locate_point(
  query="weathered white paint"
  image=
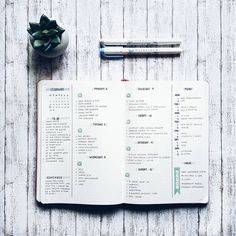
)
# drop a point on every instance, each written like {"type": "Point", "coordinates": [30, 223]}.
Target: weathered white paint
{"type": "Point", "coordinates": [209, 61]}
{"type": "Point", "coordinates": [88, 35]}
{"type": "Point", "coordinates": [207, 29]}
{"type": "Point", "coordinates": [2, 118]}
{"type": "Point", "coordinates": [16, 122]}
{"type": "Point", "coordinates": [228, 90]}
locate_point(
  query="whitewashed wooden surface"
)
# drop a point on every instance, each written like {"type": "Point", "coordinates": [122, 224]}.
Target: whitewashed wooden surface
{"type": "Point", "coordinates": [208, 31]}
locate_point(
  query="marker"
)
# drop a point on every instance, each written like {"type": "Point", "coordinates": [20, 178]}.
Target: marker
{"type": "Point", "coordinates": [120, 52]}
{"type": "Point", "coordinates": [142, 42]}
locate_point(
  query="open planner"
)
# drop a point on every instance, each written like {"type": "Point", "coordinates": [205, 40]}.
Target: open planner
{"type": "Point", "coordinates": [107, 142]}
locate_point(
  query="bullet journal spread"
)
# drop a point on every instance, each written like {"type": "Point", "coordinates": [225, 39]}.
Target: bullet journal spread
{"type": "Point", "coordinates": [106, 142]}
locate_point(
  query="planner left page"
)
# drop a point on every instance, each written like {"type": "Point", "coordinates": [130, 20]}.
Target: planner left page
{"type": "Point", "coordinates": [80, 142]}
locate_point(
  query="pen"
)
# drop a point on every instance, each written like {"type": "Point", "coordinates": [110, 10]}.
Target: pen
{"type": "Point", "coordinates": [142, 42]}
{"type": "Point", "coordinates": [120, 52]}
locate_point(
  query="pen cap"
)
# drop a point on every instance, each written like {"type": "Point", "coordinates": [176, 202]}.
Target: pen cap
{"type": "Point", "coordinates": [105, 56]}
{"type": "Point", "coordinates": [101, 51]}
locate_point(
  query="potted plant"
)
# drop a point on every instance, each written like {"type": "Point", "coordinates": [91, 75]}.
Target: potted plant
{"type": "Point", "coordinates": [48, 38]}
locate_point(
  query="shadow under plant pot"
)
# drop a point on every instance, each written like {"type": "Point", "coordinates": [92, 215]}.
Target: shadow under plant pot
{"type": "Point", "coordinates": [48, 38]}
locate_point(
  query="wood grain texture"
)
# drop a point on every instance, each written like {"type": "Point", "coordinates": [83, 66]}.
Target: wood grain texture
{"type": "Point", "coordinates": [207, 29]}
{"type": "Point", "coordinates": [228, 118]}
{"type": "Point", "coordinates": [88, 35]}
{"type": "Point", "coordinates": [209, 69]}
{"type": "Point", "coordinates": [2, 118]}
{"type": "Point", "coordinates": [16, 139]}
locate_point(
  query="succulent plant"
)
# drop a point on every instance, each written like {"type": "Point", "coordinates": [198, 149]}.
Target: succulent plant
{"type": "Point", "coordinates": [46, 34]}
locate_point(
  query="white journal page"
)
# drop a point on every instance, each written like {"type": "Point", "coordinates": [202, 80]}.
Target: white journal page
{"type": "Point", "coordinates": [98, 133]}
{"type": "Point", "coordinates": [166, 142]}
{"type": "Point", "coordinates": [54, 142]}
{"type": "Point", "coordinates": [81, 142]}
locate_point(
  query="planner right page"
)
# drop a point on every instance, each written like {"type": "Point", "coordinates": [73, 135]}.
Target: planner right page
{"type": "Point", "coordinates": [166, 142]}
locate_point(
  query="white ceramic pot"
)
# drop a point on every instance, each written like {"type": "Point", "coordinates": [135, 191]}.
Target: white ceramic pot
{"type": "Point", "coordinates": [58, 50]}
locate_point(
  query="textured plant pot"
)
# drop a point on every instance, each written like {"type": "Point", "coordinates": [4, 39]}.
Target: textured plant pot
{"type": "Point", "coordinates": [58, 50]}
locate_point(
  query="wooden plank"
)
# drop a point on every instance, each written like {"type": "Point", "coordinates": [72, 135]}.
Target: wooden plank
{"type": "Point", "coordinates": [63, 221]}
{"type": "Point", "coordinates": [228, 117]}
{"type": "Point", "coordinates": [160, 220]}
{"type": "Point", "coordinates": [209, 59]}
{"type": "Point", "coordinates": [112, 222]}
{"type": "Point", "coordinates": [2, 117]}
{"type": "Point", "coordinates": [88, 223]}
{"type": "Point", "coordinates": [112, 27]}
{"type": "Point", "coordinates": [185, 68]}
{"type": "Point", "coordinates": [39, 68]}
{"type": "Point", "coordinates": [88, 35]}
{"type": "Point", "coordinates": [16, 151]}
{"type": "Point", "coordinates": [64, 67]}
{"type": "Point", "coordinates": [159, 26]}
{"type": "Point", "coordinates": [135, 26]}
{"type": "Point", "coordinates": [88, 68]}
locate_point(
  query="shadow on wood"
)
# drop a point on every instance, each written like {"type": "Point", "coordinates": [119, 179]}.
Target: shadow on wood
{"type": "Point", "coordinates": [47, 65]}
{"type": "Point", "coordinates": [98, 209]}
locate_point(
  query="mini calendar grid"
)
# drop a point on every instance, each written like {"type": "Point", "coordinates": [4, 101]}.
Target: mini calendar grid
{"type": "Point", "coordinates": [58, 102]}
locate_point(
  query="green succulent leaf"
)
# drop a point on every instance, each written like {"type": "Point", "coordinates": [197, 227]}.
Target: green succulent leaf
{"type": "Point", "coordinates": [60, 30]}
{"type": "Point", "coordinates": [46, 43]}
{"type": "Point", "coordinates": [52, 24]}
{"type": "Point", "coordinates": [45, 31]}
{"type": "Point", "coordinates": [52, 32]}
{"type": "Point", "coordinates": [46, 34]}
{"type": "Point", "coordinates": [44, 20]}
{"type": "Point", "coordinates": [48, 48]}
{"type": "Point", "coordinates": [38, 35]}
{"type": "Point", "coordinates": [38, 43]}
{"type": "Point", "coordinates": [34, 26]}
{"type": "Point", "coordinates": [56, 40]}
{"type": "Point", "coordinates": [30, 31]}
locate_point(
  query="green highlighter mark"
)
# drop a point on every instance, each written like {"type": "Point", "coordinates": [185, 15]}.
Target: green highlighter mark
{"type": "Point", "coordinates": [176, 180]}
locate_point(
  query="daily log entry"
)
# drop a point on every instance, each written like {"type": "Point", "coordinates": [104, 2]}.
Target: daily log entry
{"type": "Point", "coordinates": [106, 142]}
